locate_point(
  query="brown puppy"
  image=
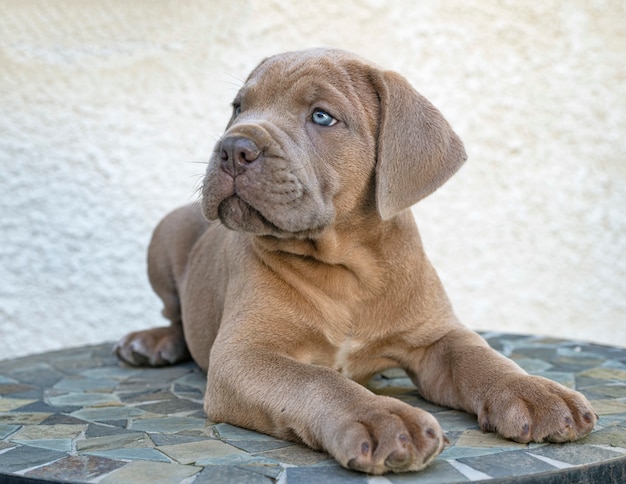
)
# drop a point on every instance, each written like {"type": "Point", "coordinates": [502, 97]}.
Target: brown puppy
{"type": "Point", "coordinates": [322, 281]}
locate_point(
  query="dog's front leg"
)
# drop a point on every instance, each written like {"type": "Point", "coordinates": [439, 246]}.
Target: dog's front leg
{"type": "Point", "coordinates": [275, 394]}
{"type": "Point", "coordinates": [462, 371]}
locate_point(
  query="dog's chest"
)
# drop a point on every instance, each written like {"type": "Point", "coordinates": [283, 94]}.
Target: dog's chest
{"type": "Point", "coordinates": [345, 356]}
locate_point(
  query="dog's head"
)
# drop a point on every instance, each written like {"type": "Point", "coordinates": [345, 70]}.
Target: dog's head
{"type": "Point", "coordinates": [319, 136]}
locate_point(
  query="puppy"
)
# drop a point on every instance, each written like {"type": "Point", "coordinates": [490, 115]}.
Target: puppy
{"type": "Point", "coordinates": [302, 275]}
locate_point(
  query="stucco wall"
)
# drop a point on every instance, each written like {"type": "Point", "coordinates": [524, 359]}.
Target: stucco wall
{"type": "Point", "coordinates": [108, 111]}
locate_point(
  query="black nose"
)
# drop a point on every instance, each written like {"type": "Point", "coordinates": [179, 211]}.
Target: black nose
{"type": "Point", "coordinates": [237, 153]}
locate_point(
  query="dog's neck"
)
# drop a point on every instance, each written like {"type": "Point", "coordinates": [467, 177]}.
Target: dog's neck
{"type": "Point", "coordinates": [361, 252]}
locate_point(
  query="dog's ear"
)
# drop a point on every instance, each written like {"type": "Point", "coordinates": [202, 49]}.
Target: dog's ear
{"type": "Point", "coordinates": [417, 149]}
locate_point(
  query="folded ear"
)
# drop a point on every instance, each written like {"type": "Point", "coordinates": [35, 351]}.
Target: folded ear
{"type": "Point", "coordinates": [417, 149]}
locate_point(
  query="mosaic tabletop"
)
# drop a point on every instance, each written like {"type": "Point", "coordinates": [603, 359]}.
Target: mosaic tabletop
{"type": "Point", "coordinates": [79, 415]}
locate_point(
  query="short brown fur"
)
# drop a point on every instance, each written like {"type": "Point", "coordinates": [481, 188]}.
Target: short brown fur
{"type": "Point", "coordinates": [322, 281]}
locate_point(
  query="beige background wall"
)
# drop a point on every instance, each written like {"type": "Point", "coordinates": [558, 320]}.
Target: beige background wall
{"type": "Point", "coordinates": [108, 111]}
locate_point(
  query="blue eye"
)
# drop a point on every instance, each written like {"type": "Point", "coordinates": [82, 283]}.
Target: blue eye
{"type": "Point", "coordinates": [236, 109]}
{"type": "Point", "coordinates": [322, 118]}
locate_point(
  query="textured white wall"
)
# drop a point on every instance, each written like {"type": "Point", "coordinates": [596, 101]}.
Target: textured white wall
{"type": "Point", "coordinates": [108, 111]}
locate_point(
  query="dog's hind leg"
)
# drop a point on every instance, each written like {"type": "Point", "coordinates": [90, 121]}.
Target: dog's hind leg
{"type": "Point", "coordinates": [169, 250]}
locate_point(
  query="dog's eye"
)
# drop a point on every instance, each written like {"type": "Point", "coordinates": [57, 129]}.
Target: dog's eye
{"type": "Point", "coordinates": [236, 110]}
{"type": "Point", "coordinates": [322, 118]}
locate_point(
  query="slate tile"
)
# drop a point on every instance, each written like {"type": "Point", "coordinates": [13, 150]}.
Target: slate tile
{"type": "Point", "coordinates": [39, 374]}
{"type": "Point", "coordinates": [168, 407]}
{"type": "Point", "coordinates": [478, 438]}
{"type": "Point", "coordinates": [62, 445]}
{"type": "Point", "coordinates": [168, 424]}
{"type": "Point", "coordinates": [232, 432]}
{"type": "Point", "coordinates": [147, 397]}
{"type": "Point", "coordinates": [327, 475]}
{"type": "Point", "coordinates": [191, 452]}
{"type": "Point", "coordinates": [614, 436]}
{"type": "Point", "coordinates": [25, 418]}
{"type": "Point", "coordinates": [9, 388]}
{"type": "Point", "coordinates": [25, 457]}
{"type": "Point", "coordinates": [439, 472]}
{"type": "Point", "coordinates": [507, 464]}
{"type": "Point", "coordinates": [99, 430]}
{"type": "Point", "coordinates": [34, 432]}
{"type": "Point", "coordinates": [9, 404]}
{"type": "Point", "coordinates": [255, 446]}
{"type": "Point", "coordinates": [230, 475]}
{"type": "Point", "coordinates": [575, 454]}
{"type": "Point", "coordinates": [59, 418]}
{"type": "Point", "coordinates": [456, 420]}
{"type": "Point", "coordinates": [108, 413]}
{"type": "Point", "coordinates": [139, 453]}
{"type": "Point", "coordinates": [152, 472]}
{"type": "Point", "coordinates": [6, 430]}
{"type": "Point", "coordinates": [127, 440]}
{"type": "Point", "coordinates": [296, 455]}
{"type": "Point", "coordinates": [84, 400]}
{"type": "Point", "coordinates": [37, 406]}
{"type": "Point", "coordinates": [608, 407]}
{"type": "Point", "coordinates": [173, 439]}
{"type": "Point", "coordinates": [74, 384]}
{"type": "Point", "coordinates": [77, 468]}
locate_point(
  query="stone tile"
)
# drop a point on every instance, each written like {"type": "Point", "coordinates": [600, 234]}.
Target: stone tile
{"type": "Point", "coordinates": [603, 392]}
{"type": "Point", "coordinates": [76, 468]}
{"type": "Point", "coordinates": [23, 418]}
{"type": "Point", "coordinates": [81, 384]}
{"type": "Point", "coordinates": [614, 436]}
{"type": "Point", "coordinates": [59, 418]}
{"type": "Point", "coordinates": [152, 472]}
{"type": "Point", "coordinates": [327, 475]}
{"type": "Point", "coordinates": [34, 432]}
{"type": "Point", "coordinates": [477, 438]}
{"type": "Point", "coordinates": [297, 455]}
{"type": "Point", "coordinates": [167, 403]}
{"type": "Point", "coordinates": [173, 439]}
{"type": "Point", "coordinates": [458, 452]}
{"type": "Point", "coordinates": [99, 430]}
{"type": "Point", "coordinates": [186, 391]}
{"type": "Point", "coordinates": [608, 407]}
{"type": "Point", "coordinates": [241, 459]}
{"type": "Point", "coordinates": [40, 406]}
{"type": "Point", "coordinates": [112, 442]}
{"type": "Point", "coordinates": [230, 475]}
{"type": "Point", "coordinates": [62, 445]}
{"type": "Point", "coordinates": [6, 430]}
{"type": "Point", "coordinates": [108, 413]}
{"type": "Point", "coordinates": [84, 400]}
{"type": "Point", "coordinates": [6, 445]}
{"type": "Point", "coordinates": [172, 406]}
{"type": "Point", "coordinates": [191, 452]}
{"type": "Point", "coordinates": [147, 397]}
{"type": "Point", "coordinates": [439, 472]}
{"type": "Point", "coordinates": [8, 404]}
{"type": "Point", "coordinates": [231, 432]}
{"type": "Point", "coordinates": [111, 373]}
{"type": "Point", "coordinates": [605, 374]}
{"type": "Point", "coordinates": [456, 420]}
{"type": "Point", "coordinates": [256, 446]}
{"type": "Point", "coordinates": [507, 464]}
{"type": "Point", "coordinates": [168, 424]}
{"type": "Point", "coordinates": [575, 454]}
{"type": "Point", "coordinates": [144, 453]}
{"type": "Point", "coordinates": [9, 388]}
{"type": "Point", "coordinates": [25, 457]}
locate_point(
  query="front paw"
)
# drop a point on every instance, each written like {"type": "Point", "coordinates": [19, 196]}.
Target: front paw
{"type": "Point", "coordinates": [153, 347]}
{"type": "Point", "coordinates": [387, 435]}
{"type": "Point", "coordinates": [527, 408]}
